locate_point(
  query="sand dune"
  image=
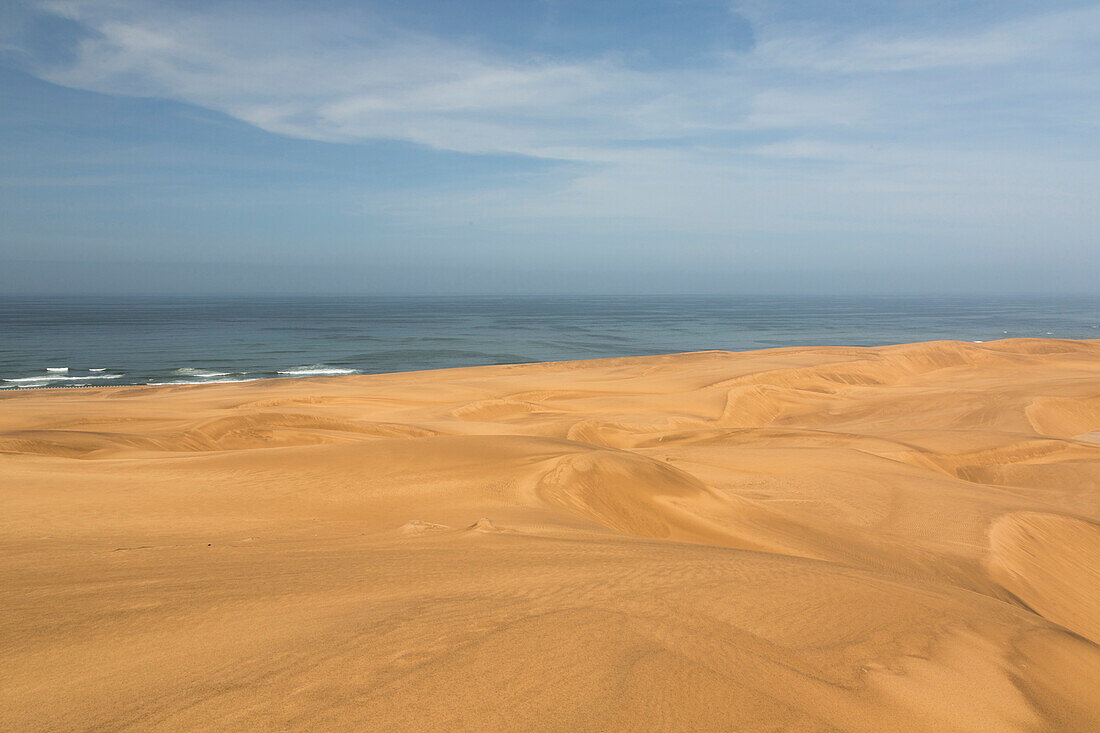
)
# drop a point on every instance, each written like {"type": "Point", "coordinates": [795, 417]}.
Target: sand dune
{"type": "Point", "coordinates": [900, 538]}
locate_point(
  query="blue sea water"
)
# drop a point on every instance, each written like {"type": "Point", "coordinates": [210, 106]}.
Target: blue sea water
{"type": "Point", "coordinates": [55, 342]}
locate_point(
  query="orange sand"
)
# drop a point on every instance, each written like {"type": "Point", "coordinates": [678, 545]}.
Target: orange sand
{"type": "Point", "coordinates": [901, 538]}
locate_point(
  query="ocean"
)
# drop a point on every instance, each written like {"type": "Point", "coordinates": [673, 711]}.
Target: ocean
{"type": "Point", "coordinates": [76, 342]}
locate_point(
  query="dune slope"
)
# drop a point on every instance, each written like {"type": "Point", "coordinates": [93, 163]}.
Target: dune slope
{"type": "Point", "coordinates": [899, 538]}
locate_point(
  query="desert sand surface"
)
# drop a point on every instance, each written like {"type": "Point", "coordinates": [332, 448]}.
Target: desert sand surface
{"type": "Point", "coordinates": [899, 538]}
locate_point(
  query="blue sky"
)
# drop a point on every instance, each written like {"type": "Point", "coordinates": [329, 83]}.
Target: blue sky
{"type": "Point", "coordinates": [549, 146]}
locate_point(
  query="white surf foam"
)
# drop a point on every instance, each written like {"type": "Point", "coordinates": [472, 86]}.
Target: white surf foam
{"type": "Point", "coordinates": [181, 382]}
{"type": "Point", "coordinates": [192, 372]}
{"type": "Point", "coordinates": [60, 378]}
{"type": "Point", "coordinates": [57, 369]}
{"type": "Point", "coordinates": [315, 370]}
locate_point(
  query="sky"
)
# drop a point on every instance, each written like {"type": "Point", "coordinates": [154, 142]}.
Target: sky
{"type": "Point", "coordinates": [549, 146]}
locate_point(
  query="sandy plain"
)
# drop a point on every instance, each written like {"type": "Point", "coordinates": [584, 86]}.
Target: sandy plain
{"type": "Point", "coordinates": [898, 538]}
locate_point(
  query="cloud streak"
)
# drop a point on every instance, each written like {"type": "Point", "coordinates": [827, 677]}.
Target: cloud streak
{"type": "Point", "coordinates": [344, 75]}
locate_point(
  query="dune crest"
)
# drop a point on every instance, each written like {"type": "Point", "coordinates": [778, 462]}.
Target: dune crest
{"type": "Point", "coordinates": [897, 538]}
{"type": "Point", "coordinates": [1052, 564]}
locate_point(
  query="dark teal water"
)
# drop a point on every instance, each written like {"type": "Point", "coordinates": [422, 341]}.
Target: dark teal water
{"type": "Point", "coordinates": [198, 340]}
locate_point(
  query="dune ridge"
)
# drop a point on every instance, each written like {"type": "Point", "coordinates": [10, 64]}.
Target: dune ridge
{"type": "Point", "coordinates": [897, 538]}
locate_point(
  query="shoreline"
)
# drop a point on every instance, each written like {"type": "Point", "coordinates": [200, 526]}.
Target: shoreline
{"type": "Point", "coordinates": [818, 347]}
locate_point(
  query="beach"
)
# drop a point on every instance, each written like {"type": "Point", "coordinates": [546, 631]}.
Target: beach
{"type": "Point", "coordinates": [815, 538]}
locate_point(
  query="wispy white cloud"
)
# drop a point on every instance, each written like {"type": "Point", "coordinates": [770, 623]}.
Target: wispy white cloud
{"type": "Point", "coordinates": [873, 52]}
{"type": "Point", "coordinates": [345, 76]}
